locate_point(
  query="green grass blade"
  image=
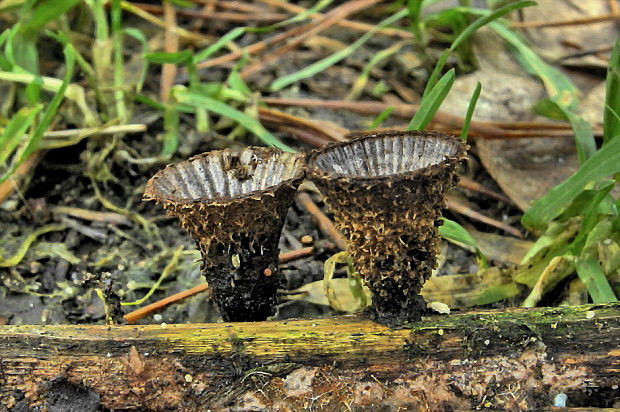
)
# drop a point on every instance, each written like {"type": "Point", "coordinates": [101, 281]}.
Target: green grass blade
{"type": "Point", "coordinates": [323, 64]}
{"type": "Point", "coordinates": [320, 5]}
{"type": "Point", "coordinates": [381, 117]}
{"type": "Point", "coordinates": [603, 163]}
{"type": "Point", "coordinates": [431, 102]}
{"type": "Point", "coordinates": [591, 215]}
{"type": "Point", "coordinates": [453, 231]}
{"type": "Point", "coordinates": [139, 36]}
{"type": "Point", "coordinates": [119, 65]}
{"type": "Point", "coordinates": [611, 122]}
{"type": "Point", "coordinates": [238, 31]}
{"type": "Point", "coordinates": [584, 137]}
{"type": "Point", "coordinates": [478, 23]}
{"type": "Point", "coordinates": [216, 106]}
{"type": "Point", "coordinates": [221, 42]}
{"type": "Point", "coordinates": [48, 115]}
{"type": "Point", "coordinates": [166, 57]}
{"type": "Point", "coordinates": [558, 86]}
{"type": "Point", "coordinates": [470, 111]}
{"type": "Point", "coordinates": [171, 137]}
{"type": "Point", "coordinates": [415, 17]}
{"type": "Point", "coordinates": [41, 13]}
{"type": "Point", "coordinates": [591, 274]}
{"type": "Point", "coordinates": [14, 131]}
{"type": "Point", "coordinates": [33, 17]}
{"type": "Point", "coordinates": [362, 79]}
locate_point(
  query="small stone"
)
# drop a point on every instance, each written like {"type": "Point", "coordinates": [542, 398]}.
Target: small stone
{"type": "Point", "coordinates": [560, 400]}
{"type": "Point", "coordinates": [439, 307]}
{"type": "Point", "coordinates": [236, 261]}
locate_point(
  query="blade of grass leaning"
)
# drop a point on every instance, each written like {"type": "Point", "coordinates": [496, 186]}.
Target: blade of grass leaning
{"type": "Point", "coordinates": [33, 17]}
{"type": "Point", "coordinates": [14, 131]}
{"type": "Point", "coordinates": [180, 57]}
{"type": "Point", "coordinates": [238, 31]}
{"type": "Point", "coordinates": [377, 121]}
{"type": "Point", "coordinates": [470, 111]}
{"type": "Point", "coordinates": [362, 79]}
{"type": "Point", "coordinates": [463, 291]}
{"type": "Point", "coordinates": [21, 251]}
{"type": "Point", "coordinates": [171, 137]}
{"type": "Point", "coordinates": [611, 122]}
{"type": "Point", "coordinates": [431, 102]}
{"type": "Point", "coordinates": [591, 215]}
{"type": "Point", "coordinates": [48, 115]}
{"type": "Point", "coordinates": [216, 106]}
{"type": "Point", "coordinates": [329, 61]}
{"type": "Point", "coordinates": [603, 163]}
{"type": "Point", "coordinates": [558, 86]}
{"type": "Point", "coordinates": [584, 137]}
{"type": "Point", "coordinates": [139, 36]}
{"type": "Point", "coordinates": [43, 12]}
{"type": "Point", "coordinates": [415, 17]}
{"type": "Point", "coordinates": [221, 42]}
{"type": "Point", "coordinates": [591, 274]}
{"type": "Point", "coordinates": [478, 23]}
{"type": "Point", "coordinates": [452, 231]}
{"type": "Point", "coordinates": [119, 65]}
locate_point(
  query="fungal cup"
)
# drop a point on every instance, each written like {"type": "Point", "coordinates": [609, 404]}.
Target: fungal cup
{"type": "Point", "coordinates": [233, 203]}
{"type": "Point", "coordinates": [386, 191]}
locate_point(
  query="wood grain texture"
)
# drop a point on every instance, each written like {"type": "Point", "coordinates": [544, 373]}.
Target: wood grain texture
{"type": "Point", "coordinates": [514, 359]}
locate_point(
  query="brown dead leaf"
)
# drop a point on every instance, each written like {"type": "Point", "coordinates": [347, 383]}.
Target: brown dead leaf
{"type": "Point", "coordinates": [568, 43]}
{"type": "Point", "coordinates": [525, 169]}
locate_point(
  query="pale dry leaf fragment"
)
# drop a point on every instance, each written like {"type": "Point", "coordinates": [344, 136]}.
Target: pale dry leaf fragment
{"type": "Point", "coordinates": [439, 307]}
{"type": "Point", "coordinates": [136, 364]}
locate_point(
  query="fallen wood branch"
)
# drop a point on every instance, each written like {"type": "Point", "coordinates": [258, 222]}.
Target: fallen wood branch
{"type": "Point", "coordinates": [515, 359]}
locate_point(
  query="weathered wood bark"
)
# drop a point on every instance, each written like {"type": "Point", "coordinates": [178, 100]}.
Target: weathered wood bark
{"type": "Point", "coordinates": [517, 359]}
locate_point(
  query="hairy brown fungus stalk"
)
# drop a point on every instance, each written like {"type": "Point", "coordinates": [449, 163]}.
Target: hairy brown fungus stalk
{"type": "Point", "coordinates": [386, 191]}
{"type": "Point", "coordinates": [233, 203]}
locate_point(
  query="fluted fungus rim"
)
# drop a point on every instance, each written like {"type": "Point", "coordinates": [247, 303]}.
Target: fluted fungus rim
{"type": "Point", "coordinates": [313, 171]}
{"type": "Point", "coordinates": [153, 194]}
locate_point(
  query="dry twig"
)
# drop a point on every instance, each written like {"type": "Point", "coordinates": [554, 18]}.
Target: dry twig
{"type": "Point", "coordinates": [138, 314]}
{"type": "Point", "coordinates": [171, 45]}
{"type": "Point", "coordinates": [326, 226]}
{"type": "Point", "coordinates": [456, 206]}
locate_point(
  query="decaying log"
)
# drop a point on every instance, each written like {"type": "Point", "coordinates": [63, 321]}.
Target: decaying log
{"type": "Point", "coordinates": [515, 359]}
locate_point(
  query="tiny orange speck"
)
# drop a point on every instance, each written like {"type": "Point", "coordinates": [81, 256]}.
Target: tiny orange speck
{"type": "Point", "coordinates": [267, 272]}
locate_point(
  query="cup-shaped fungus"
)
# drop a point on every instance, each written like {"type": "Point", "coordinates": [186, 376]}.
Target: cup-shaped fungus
{"type": "Point", "coordinates": [386, 191]}
{"type": "Point", "coordinates": [233, 203]}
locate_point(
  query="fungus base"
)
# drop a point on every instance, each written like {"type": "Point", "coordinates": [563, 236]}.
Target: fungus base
{"type": "Point", "coordinates": [238, 241]}
{"type": "Point", "coordinates": [391, 229]}
{"type": "Point", "coordinates": [386, 192]}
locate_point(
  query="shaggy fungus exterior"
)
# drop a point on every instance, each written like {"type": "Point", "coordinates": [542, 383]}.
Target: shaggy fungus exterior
{"type": "Point", "coordinates": [233, 203]}
{"type": "Point", "coordinates": [386, 191]}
